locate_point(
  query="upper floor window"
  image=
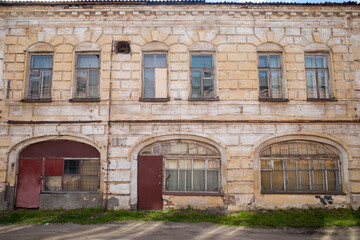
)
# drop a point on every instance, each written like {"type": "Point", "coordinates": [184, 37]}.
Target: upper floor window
{"type": "Point", "coordinates": [317, 76]}
{"type": "Point", "coordinates": [155, 76]}
{"type": "Point", "coordinates": [40, 76]}
{"type": "Point", "coordinates": [202, 76]}
{"type": "Point", "coordinates": [300, 167]}
{"type": "Point", "coordinates": [87, 75]}
{"type": "Point", "coordinates": [269, 70]}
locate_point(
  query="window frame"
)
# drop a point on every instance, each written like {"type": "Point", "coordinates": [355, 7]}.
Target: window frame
{"type": "Point", "coordinates": [296, 158]}
{"type": "Point", "coordinates": [87, 98]}
{"type": "Point", "coordinates": [268, 69]}
{"type": "Point", "coordinates": [154, 99]}
{"type": "Point", "coordinates": [206, 169]}
{"type": "Point", "coordinates": [29, 70]}
{"type": "Point", "coordinates": [79, 174]}
{"type": "Point", "coordinates": [328, 70]}
{"type": "Point", "coordinates": [214, 69]}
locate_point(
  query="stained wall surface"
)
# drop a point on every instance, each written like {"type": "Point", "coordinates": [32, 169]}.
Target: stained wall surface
{"type": "Point", "coordinates": [120, 123]}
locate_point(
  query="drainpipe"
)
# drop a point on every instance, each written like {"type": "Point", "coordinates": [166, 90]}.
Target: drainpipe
{"type": "Point", "coordinates": [109, 129]}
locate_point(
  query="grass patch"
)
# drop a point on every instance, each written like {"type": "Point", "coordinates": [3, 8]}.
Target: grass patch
{"type": "Point", "coordinates": [295, 218]}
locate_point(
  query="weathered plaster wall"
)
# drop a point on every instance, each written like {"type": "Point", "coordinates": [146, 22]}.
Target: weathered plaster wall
{"type": "Point", "coordinates": [234, 33]}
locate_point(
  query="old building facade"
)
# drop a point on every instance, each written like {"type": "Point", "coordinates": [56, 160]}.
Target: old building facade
{"type": "Point", "coordinates": [146, 105]}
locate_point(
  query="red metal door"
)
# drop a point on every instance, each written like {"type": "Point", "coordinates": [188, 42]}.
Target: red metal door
{"type": "Point", "coordinates": [150, 182]}
{"type": "Point", "coordinates": [28, 183]}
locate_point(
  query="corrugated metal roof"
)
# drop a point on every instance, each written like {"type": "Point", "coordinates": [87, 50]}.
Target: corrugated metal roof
{"type": "Point", "coordinates": [257, 2]}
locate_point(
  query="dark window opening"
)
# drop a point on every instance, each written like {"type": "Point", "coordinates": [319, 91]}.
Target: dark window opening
{"type": "Point", "coordinates": [122, 47]}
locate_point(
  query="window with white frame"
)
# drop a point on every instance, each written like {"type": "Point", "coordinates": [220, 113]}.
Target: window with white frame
{"type": "Point", "coordinates": [269, 71]}
{"type": "Point", "coordinates": [202, 76]}
{"type": "Point", "coordinates": [317, 76]}
{"type": "Point", "coordinates": [300, 167]}
{"type": "Point", "coordinates": [155, 83]}
{"type": "Point", "coordinates": [87, 74]}
{"type": "Point", "coordinates": [40, 77]}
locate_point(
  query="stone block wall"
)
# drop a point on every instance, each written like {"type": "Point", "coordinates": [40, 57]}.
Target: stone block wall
{"type": "Point", "coordinates": [238, 121]}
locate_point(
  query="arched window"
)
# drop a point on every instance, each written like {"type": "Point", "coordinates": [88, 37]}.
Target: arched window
{"type": "Point", "coordinates": [188, 166]}
{"type": "Point", "coordinates": [300, 167]}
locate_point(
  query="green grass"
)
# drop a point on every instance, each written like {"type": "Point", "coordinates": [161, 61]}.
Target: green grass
{"type": "Point", "coordinates": [295, 218]}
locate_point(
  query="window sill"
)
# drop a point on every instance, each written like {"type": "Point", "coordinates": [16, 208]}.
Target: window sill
{"type": "Point", "coordinates": [204, 99]}
{"type": "Point", "coordinates": [322, 99]}
{"type": "Point", "coordinates": [193, 193]}
{"type": "Point", "coordinates": [85, 100]}
{"type": "Point", "coordinates": [304, 193]}
{"type": "Point", "coordinates": [274, 100]}
{"type": "Point", "coordinates": [154, 99]}
{"type": "Point", "coordinates": [37, 100]}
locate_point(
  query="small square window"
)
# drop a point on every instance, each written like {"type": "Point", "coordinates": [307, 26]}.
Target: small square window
{"type": "Point", "coordinates": [40, 77]}
{"type": "Point", "coordinates": [202, 77]}
{"type": "Point", "coordinates": [87, 76]}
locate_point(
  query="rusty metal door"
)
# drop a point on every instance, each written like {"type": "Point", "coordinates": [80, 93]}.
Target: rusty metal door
{"type": "Point", "coordinates": [28, 183]}
{"type": "Point", "coordinates": [150, 182]}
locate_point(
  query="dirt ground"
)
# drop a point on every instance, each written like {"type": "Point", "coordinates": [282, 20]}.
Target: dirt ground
{"type": "Point", "coordinates": [158, 230]}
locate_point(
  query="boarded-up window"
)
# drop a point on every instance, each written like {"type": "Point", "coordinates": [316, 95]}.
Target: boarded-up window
{"type": "Point", "coordinates": [300, 167]}
{"type": "Point", "coordinates": [155, 76]}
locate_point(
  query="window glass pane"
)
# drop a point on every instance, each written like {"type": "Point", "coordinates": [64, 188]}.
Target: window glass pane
{"type": "Point", "coordinates": [188, 180]}
{"type": "Point", "coordinates": [94, 83]}
{"type": "Point", "coordinates": [149, 83]}
{"type": "Point", "coordinates": [323, 84]}
{"type": "Point", "coordinates": [275, 84]}
{"type": "Point", "coordinates": [89, 167]}
{"type": "Point", "coordinates": [263, 61]}
{"type": "Point", "coordinates": [278, 183]}
{"type": "Point", "coordinates": [263, 84]}
{"type": "Point", "coordinates": [311, 84]}
{"type": "Point", "coordinates": [304, 180]}
{"type": "Point", "coordinates": [155, 60]}
{"type": "Point", "coordinates": [52, 183]}
{"type": "Point", "coordinates": [310, 61]}
{"type": "Point", "coordinates": [212, 180]}
{"type": "Point", "coordinates": [321, 62]}
{"type": "Point", "coordinates": [46, 84]}
{"type": "Point", "coordinates": [278, 164]}
{"type": "Point", "coordinates": [88, 61]}
{"type": "Point", "coordinates": [199, 180]}
{"type": "Point", "coordinates": [81, 83]}
{"type": "Point", "coordinates": [182, 180]}
{"type": "Point", "coordinates": [71, 183]}
{"type": "Point", "coordinates": [89, 183]}
{"type": "Point", "coordinates": [179, 148]}
{"type": "Point", "coordinates": [318, 181]}
{"type": "Point", "coordinates": [213, 164]}
{"type": "Point", "coordinates": [331, 177]}
{"type": "Point", "coordinates": [171, 182]}
{"type": "Point", "coordinates": [71, 166]}
{"type": "Point", "coordinates": [41, 61]}
{"type": "Point", "coordinates": [201, 61]}
{"type": "Point", "coordinates": [291, 181]}
{"type": "Point", "coordinates": [171, 164]}
{"type": "Point", "coordinates": [199, 164]}
{"type": "Point", "coordinates": [274, 61]}
{"type": "Point", "coordinates": [265, 180]}
{"type": "Point", "coordinates": [208, 83]}
{"type": "Point", "coordinates": [34, 84]}
{"type": "Point", "coordinates": [196, 83]}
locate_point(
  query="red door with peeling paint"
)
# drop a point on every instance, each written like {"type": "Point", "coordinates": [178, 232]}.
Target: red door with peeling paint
{"type": "Point", "coordinates": [150, 182]}
{"type": "Point", "coordinates": [28, 183]}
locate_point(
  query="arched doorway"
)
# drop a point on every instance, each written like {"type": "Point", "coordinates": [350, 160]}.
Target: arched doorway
{"type": "Point", "coordinates": [182, 167]}
{"type": "Point", "coordinates": [57, 166]}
